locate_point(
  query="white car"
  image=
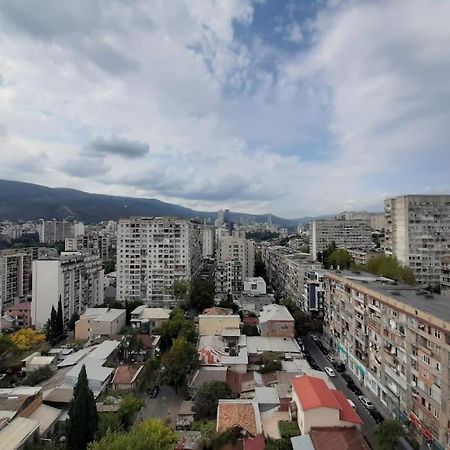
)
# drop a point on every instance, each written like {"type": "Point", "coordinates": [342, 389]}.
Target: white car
{"type": "Point", "coordinates": [330, 372]}
{"type": "Point", "coordinates": [366, 402]}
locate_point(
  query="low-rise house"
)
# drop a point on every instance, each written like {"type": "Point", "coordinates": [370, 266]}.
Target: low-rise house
{"type": "Point", "coordinates": [205, 375]}
{"type": "Point", "coordinates": [150, 344]}
{"type": "Point", "coordinates": [217, 311]}
{"type": "Point", "coordinates": [100, 322]}
{"type": "Point", "coordinates": [220, 325]}
{"type": "Point", "coordinates": [287, 347]}
{"type": "Point", "coordinates": [238, 414]}
{"type": "Point", "coordinates": [127, 377]}
{"type": "Point", "coordinates": [334, 437]}
{"type": "Point", "coordinates": [147, 320]}
{"type": "Point", "coordinates": [21, 314]}
{"type": "Point", "coordinates": [254, 303]}
{"type": "Point", "coordinates": [319, 406]}
{"type": "Point", "coordinates": [15, 434]}
{"type": "Point", "coordinates": [276, 321]}
{"type": "Point", "coordinates": [37, 362]}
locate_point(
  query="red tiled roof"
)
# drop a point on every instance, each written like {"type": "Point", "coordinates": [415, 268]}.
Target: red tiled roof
{"type": "Point", "coordinates": [313, 393]}
{"type": "Point", "coordinates": [337, 439]}
{"type": "Point", "coordinates": [348, 414]}
{"type": "Point", "coordinates": [256, 443]}
{"type": "Point", "coordinates": [217, 311]}
{"type": "Point", "coordinates": [125, 374]}
{"type": "Point", "coordinates": [250, 319]}
{"type": "Point", "coordinates": [238, 414]}
{"type": "Point", "coordinates": [146, 340]}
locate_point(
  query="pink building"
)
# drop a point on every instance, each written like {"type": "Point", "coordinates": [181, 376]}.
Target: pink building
{"type": "Point", "coordinates": [21, 313]}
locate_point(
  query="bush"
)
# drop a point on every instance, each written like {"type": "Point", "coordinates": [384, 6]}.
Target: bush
{"type": "Point", "coordinates": [250, 329]}
{"type": "Point", "coordinates": [37, 376]}
{"type": "Point", "coordinates": [288, 429]}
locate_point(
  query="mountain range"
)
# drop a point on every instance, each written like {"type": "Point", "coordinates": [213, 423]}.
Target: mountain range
{"type": "Point", "coordinates": [21, 201]}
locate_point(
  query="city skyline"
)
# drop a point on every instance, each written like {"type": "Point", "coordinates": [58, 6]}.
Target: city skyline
{"type": "Point", "coordinates": [291, 108]}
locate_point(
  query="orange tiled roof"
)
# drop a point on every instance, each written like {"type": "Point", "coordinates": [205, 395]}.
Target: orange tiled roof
{"type": "Point", "coordinates": [338, 439]}
{"type": "Point", "coordinates": [125, 374]}
{"type": "Point", "coordinates": [348, 414]}
{"type": "Point", "coordinates": [241, 414]}
{"type": "Point", "coordinates": [313, 393]}
{"type": "Point", "coordinates": [217, 311]}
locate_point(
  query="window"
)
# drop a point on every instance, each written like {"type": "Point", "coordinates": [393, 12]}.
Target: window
{"type": "Point", "coordinates": [437, 334]}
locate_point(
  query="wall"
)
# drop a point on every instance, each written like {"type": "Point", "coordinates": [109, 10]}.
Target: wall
{"type": "Point", "coordinates": [213, 325]}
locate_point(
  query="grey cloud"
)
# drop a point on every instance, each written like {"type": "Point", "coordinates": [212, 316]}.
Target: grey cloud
{"type": "Point", "coordinates": [83, 168]}
{"type": "Point", "coordinates": [117, 146]}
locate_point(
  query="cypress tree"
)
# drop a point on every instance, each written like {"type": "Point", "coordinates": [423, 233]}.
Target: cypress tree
{"type": "Point", "coordinates": [83, 419]}
{"type": "Point", "coordinates": [60, 320]}
{"type": "Point", "coordinates": [53, 324]}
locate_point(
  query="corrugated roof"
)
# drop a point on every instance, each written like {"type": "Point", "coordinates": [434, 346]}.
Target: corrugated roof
{"type": "Point", "coordinates": [104, 350]}
{"type": "Point", "coordinates": [46, 416]}
{"type": "Point", "coordinates": [275, 312]}
{"type": "Point", "coordinates": [16, 433]}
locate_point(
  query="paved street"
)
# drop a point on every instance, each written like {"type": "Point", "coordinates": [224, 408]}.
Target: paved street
{"type": "Point", "coordinates": [322, 362]}
{"type": "Point", "coordinates": [165, 406]}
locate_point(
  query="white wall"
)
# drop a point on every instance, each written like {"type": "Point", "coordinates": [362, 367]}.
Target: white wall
{"type": "Point", "coordinates": [46, 285]}
{"type": "Point", "coordinates": [255, 285]}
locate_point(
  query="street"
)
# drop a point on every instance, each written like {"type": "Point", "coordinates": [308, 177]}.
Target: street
{"type": "Point", "coordinates": [164, 406]}
{"type": "Point", "coordinates": [323, 362]}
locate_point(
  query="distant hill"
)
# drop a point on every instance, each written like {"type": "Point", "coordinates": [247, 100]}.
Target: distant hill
{"type": "Point", "coordinates": [27, 201]}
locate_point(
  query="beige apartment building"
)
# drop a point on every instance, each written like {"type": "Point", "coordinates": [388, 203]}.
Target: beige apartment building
{"type": "Point", "coordinates": [418, 233]}
{"type": "Point", "coordinates": [286, 271]}
{"type": "Point", "coordinates": [396, 340]}
{"type": "Point", "coordinates": [152, 253]}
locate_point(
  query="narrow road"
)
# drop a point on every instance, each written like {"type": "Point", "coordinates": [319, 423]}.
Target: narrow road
{"type": "Point", "coordinates": [323, 362]}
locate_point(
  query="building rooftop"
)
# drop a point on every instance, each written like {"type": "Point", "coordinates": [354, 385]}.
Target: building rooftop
{"type": "Point", "coordinates": [238, 413]}
{"type": "Point", "coordinates": [126, 374]}
{"type": "Point", "coordinates": [314, 393]}
{"type": "Point", "coordinates": [14, 435]}
{"type": "Point", "coordinates": [267, 395]}
{"type": "Point", "coordinates": [260, 344]}
{"type": "Point", "coordinates": [217, 311]}
{"type": "Point", "coordinates": [144, 312]}
{"type": "Point", "coordinates": [302, 442]}
{"type": "Point", "coordinates": [337, 438]}
{"type": "Point", "coordinates": [46, 416]}
{"type": "Point", "coordinates": [433, 304]}
{"type": "Point", "coordinates": [104, 350]}
{"type": "Point", "coordinates": [103, 314]}
{"type": "Point", "coordinates": [275, 312]}
{"type": "Point", "coordinates": [254, 280]}
{"type": "Point", "coordinates": [206, 374]}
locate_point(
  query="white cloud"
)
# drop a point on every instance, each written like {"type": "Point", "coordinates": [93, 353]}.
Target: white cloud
{"type": "Point", "coordinates": [229, 122]}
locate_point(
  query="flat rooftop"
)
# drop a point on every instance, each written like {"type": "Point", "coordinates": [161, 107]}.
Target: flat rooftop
{"type": "Point", "coordinates": [437, 305]}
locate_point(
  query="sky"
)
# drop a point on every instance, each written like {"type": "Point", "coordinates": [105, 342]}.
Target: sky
{"type": "Point", "coordinates": [296, 108]}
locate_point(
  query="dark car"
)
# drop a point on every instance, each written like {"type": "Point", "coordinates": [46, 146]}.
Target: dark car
{"type": "Point", "coordinates": [154, 392]}
{"type": "Point", "coordinates": [376, 416]}
{"type": "Point", "coordinates": [355, 389]}
{"type": "Point", "coordinates": [347, 378]}
{"type": "Point", "coordinates": [339, 366]}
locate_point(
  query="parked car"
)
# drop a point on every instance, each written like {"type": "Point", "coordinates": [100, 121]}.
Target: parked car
{"type": "Point", "coordinates": [154, 392]}
{"type": "Point", "coordinates": [339, 366]}
{"type": "Point", "coordinates": [376, 416]}
{"type": "Point", "coordinates": [330, 372]}
{"type": "Point", "coordinates": [347, 378]}
{"type": "Point", "coordinates": [366, 402]}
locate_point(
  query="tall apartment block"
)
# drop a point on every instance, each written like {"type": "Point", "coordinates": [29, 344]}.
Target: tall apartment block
{"type": "Point", "coordinates": [15, 278]}
{"type": "Point", "coordinates": [77, 279]}
{"type": "Point", "coordinates": [352, 233]}
{"type": "Point", "coordinates": [314, 293]}
{"type": "Point", "coordinates": [152, 253]}
{"type": "Point", "coordinates": [286, 271]}
{"type": "Point", "coordinates": [95, 241]}
{"type": "Point", "coordinates": [396, 340]}
{"type": "Point", "coordinates": [208, 241]}
{"type": "Point", "coordinates": [58, 230]}
{"type": "Point", "coordinates": [418, 233]}
{"type": "Point", "coordinates": [445, 274]}
{"type": "Point", "coordinates": [228, 278]}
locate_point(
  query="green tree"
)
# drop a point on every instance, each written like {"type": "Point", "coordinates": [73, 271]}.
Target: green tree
{"type": "Point", "coordinates": [208, 430]}
{"type": "Point", "coordinates": [6, 344]}
{"type": "Point", "coordinates": [148, 435]}
{"type": "Point", "coordinates": [177, 326]}
{"type": "Point", "coordinates": [260, 267]}
{"type": "Point", "coordinates": [59, 320]}
{"type": "Point", "coordinates": [387, 433]}
{"type": "Point", "coordinates": [250, 329]}
{"type": "Point", "coordinates": [73, 319]}
{"type": "Point", "coordinates": [180, 290]}
{"type": "Point", "coordinates": [83, 419]}
{"type": "Point", "coordinates": [37, 376]}
{"type": "Point", "coordinates": [110, 266]}
{"type": "Point", "coordinates": [271, 362]}
{"type": "Point", "coordinates": [304, 324]}
{"type": "Point", "coordinates": [201, 295]}
{"type": "Point", "coordinates": [323, 257]}
{"type": "Point", "coordinates": [178, 362]}
{"type": "Point", "coordinates": [207, 398]}
{"type": "Point", "coordinates": [340, 258]}
{"type": "Point", "coordinates": [388, 266]}
{"type": "Point", "coordinates": [107, 423]}
{"type": "Point", "coordinates": [129, 407]}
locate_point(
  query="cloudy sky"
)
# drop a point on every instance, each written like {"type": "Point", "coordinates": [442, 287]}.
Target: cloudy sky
{"type": "Point", "coordinates": [296, 107]}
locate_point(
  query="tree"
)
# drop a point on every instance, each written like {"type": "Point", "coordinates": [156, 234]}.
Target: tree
{"type": "Point", "coordinates": [387, 433]}
{"type": "Point", "coordinates": [201, 295]}
{"type": "Point", "coordinates": [177, 325]}
{"type": "Point", "coordinates": [388, 266]}
{"type": "Point", "coordinates": [148, 435]}
{"type": "Point", "coordinates": [181, 359]}
{"type": "Point", "coordinates": [129, 407]}
{"type": "Point", "coordinates": [304, 324]}
{"type": "Point", "coordinates": [260, 267]}
{"type": "Point", "coordinates": [250, 329]}
{"type": "Point", "coordinates": [27, 338]}
{"type": "Point", "coordinates": [207, 398]}
{"type": "Point", "coordinates": [110, 266]}
{"type": "Point", "coordinates": [107, 422]}
{"type": "Point", "coordinates": [37, 376]}
{"type": "Point", "coordinates": [73, 319]}
{"type": "Point", "coordinates": [59, 320]}
{"type": "Point", "coordinates": [340, 258]}
{"type": "Point", "coordinates": [180, 290]}
{"type": "Point", "coordinates": [271, 362]}
{"type": "Point", "coordinates": [6, 344]}
{"type": "Point", "coordinates": [83, 419]}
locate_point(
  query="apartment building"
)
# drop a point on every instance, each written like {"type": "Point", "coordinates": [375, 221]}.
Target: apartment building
{"type": "Point", "coordinates": [377, 220]}
{"type": "Point", "coordinates": [445, 274]}
{"type": "Point", "coordinates": [236, 261]}
{"type": "Point", "coordinates": [314, 293]}
{"type": "Point", "coordinates": [418, 233]}
{"type": "Point", "coordinates": [351, 233]}
{"type": "Point", "coordinates": [152, 253]}
{"type": "Point", "coordinates": [98, 242]}
{"type": "Point", "coordinates": [15, 278]}
{"type": "Point", "coordinates": [74, 278]}
{"type": "Point", "coordinates": [58, 230]}
{"type": "Point", "coordinates": [361, 256]}
{"type": "Point", "coordinates": [286, 271]}
{"type": "Point", "coordinates": [208, 241]}
{"type": "Point", "coordinates": [396, 340]}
